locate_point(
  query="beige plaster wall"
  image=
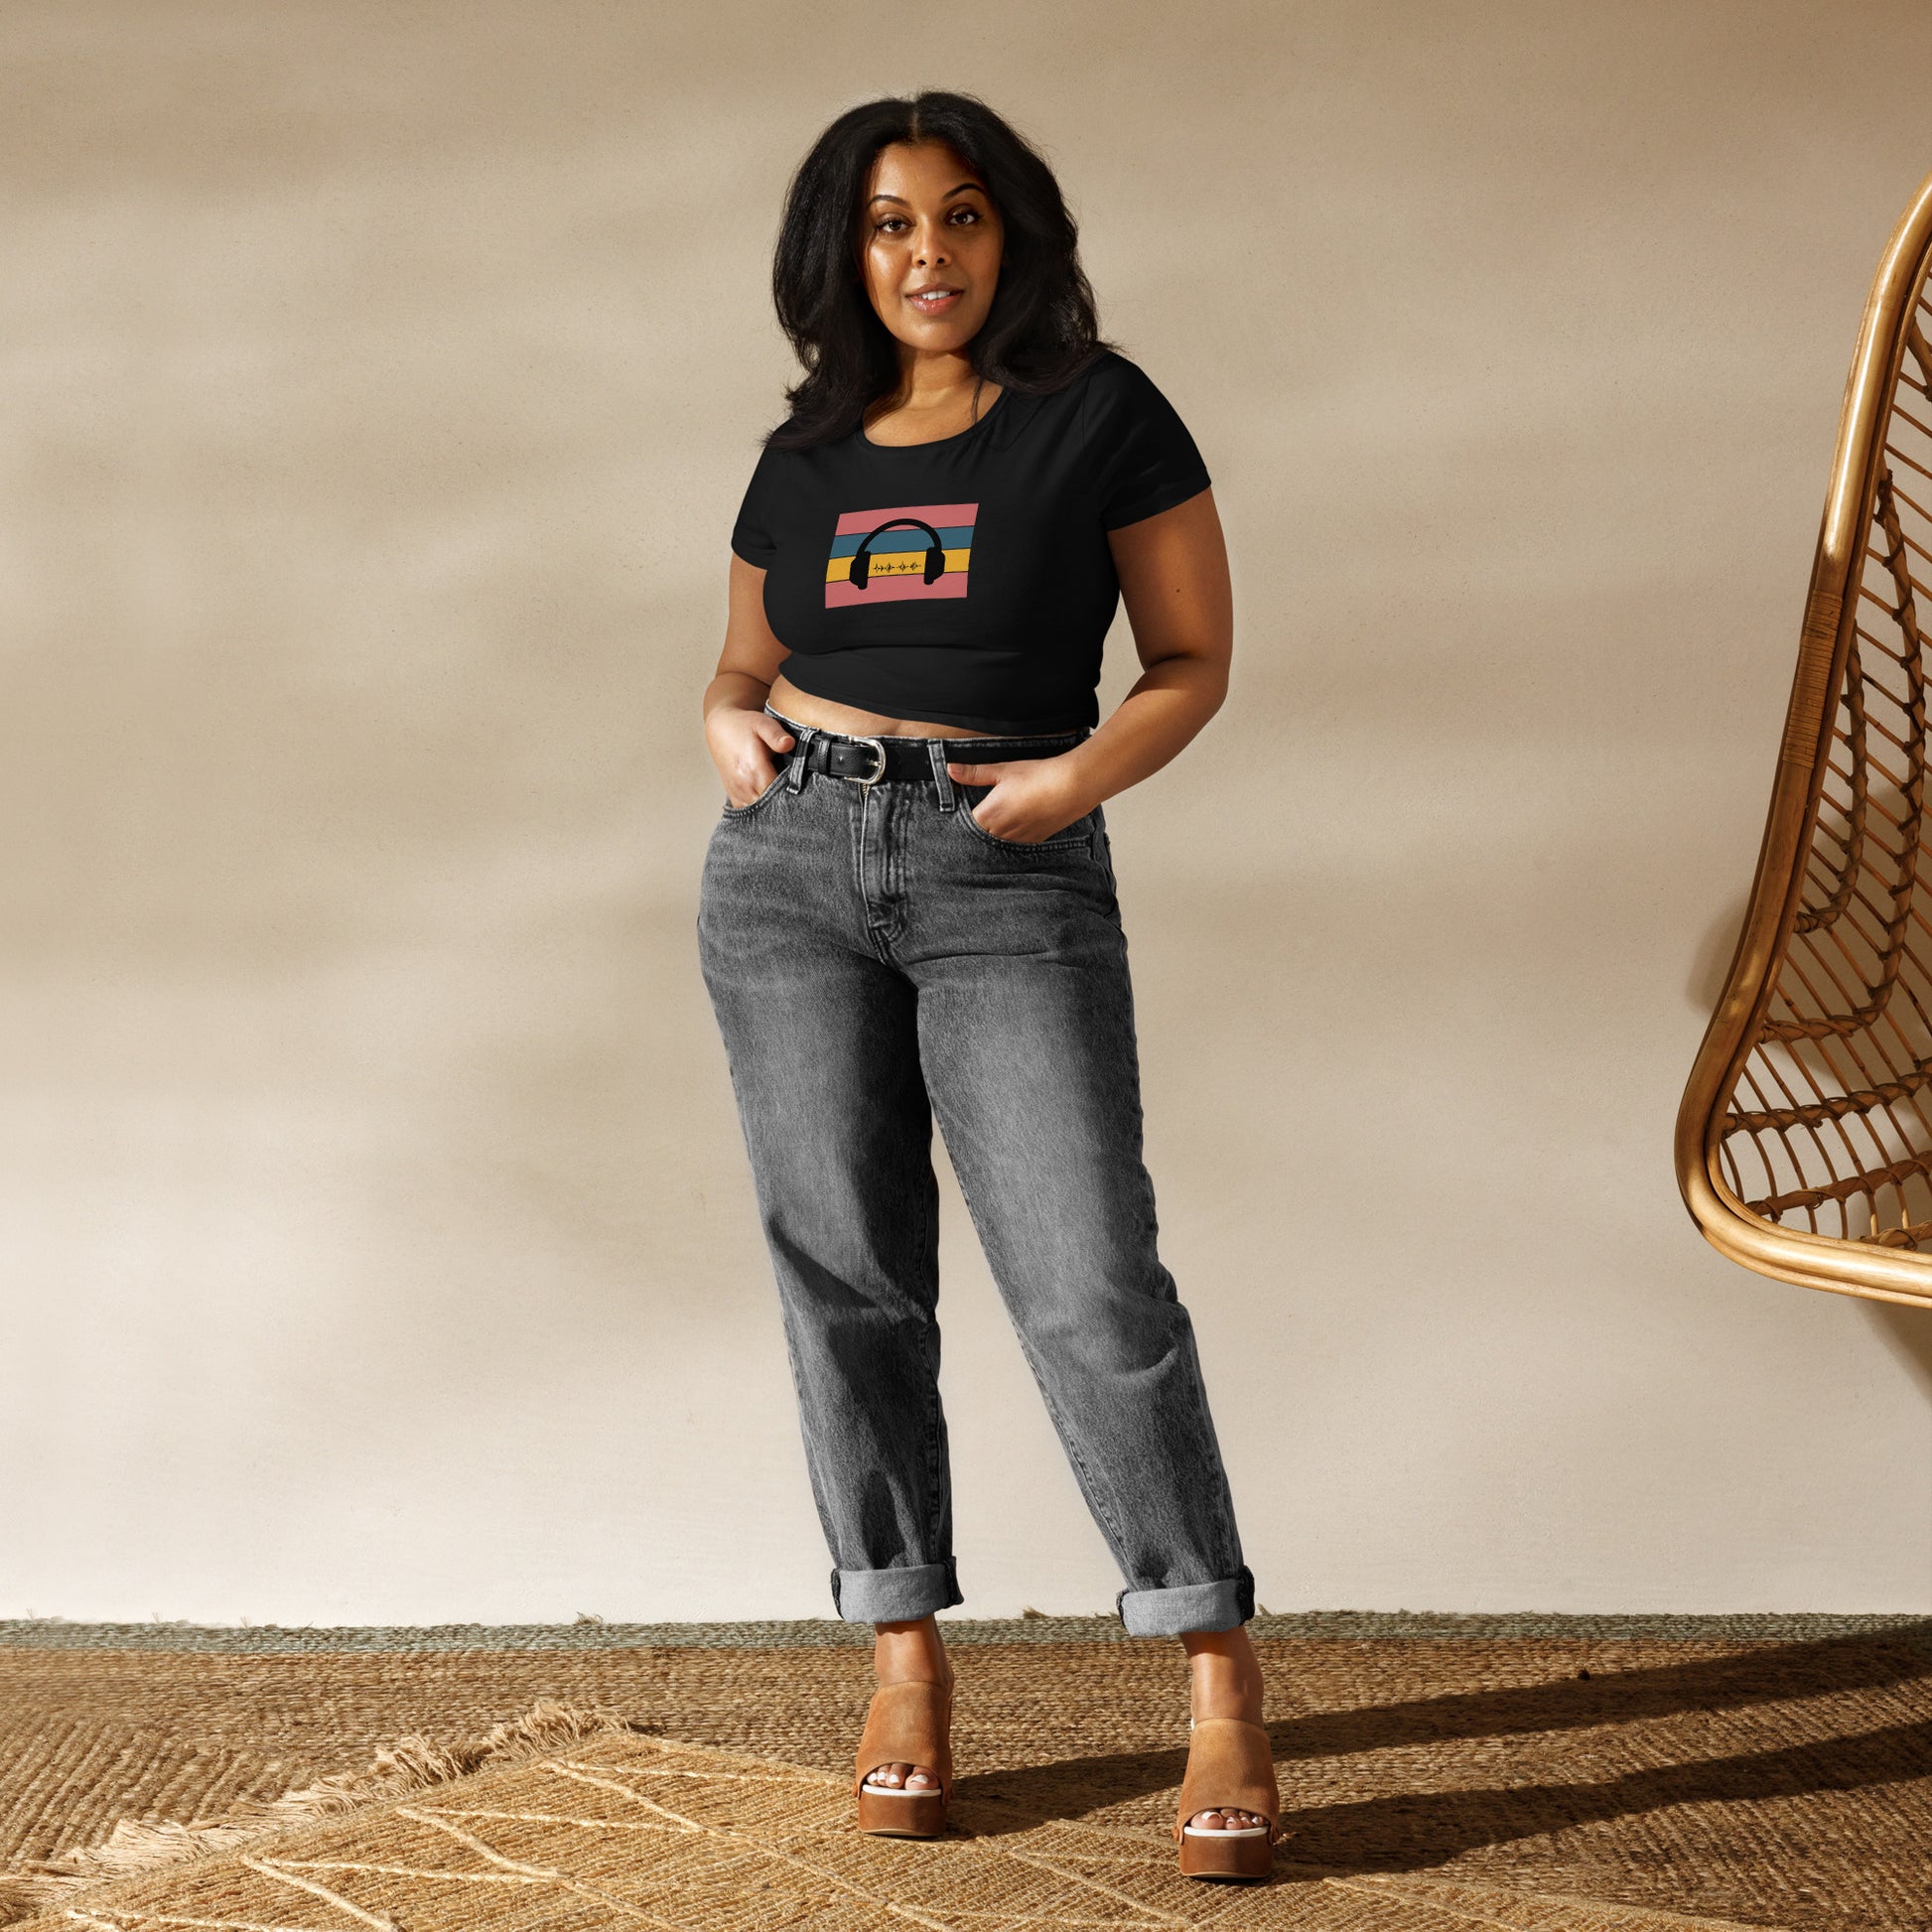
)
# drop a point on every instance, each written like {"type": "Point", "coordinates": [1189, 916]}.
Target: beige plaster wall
{"type": "Point", "coordinates": [380, 381]}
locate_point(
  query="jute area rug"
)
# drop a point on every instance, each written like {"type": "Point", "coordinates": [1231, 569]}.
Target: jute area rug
{"type": "Point", "coordinates": [589, 1824]}
{"type": "Point", "coordinates": [1575, 1778]}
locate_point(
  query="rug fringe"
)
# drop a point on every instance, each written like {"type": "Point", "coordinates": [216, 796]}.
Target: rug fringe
{"type": "Point", "coordinates": [410, 1765]}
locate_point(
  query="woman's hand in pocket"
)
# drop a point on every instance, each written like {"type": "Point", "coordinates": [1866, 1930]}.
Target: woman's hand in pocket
{"type": "Point", "coordinates": [745, 747]}
{"type": "Point", "coordinates": [1031, 798]}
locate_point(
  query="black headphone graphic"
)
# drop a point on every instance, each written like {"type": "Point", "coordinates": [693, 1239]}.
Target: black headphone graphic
{"type": "Point", "coordinates": [935, 556]}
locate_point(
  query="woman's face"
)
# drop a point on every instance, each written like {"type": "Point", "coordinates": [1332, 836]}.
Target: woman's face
{"type": "Point", "coordinates": [927, 222]}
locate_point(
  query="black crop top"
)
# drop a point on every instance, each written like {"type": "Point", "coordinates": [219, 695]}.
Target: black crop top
{"type": "Point", "coordinates": [968, 580]}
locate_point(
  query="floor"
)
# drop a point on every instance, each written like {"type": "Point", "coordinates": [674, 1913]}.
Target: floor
{"type": "Point", "coordinates": [1780, 1780]}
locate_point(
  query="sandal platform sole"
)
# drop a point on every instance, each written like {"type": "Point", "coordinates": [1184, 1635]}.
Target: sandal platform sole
{"type": "Point", "coordinates": [901, 1814]}
{"type": "Point", "coordinates": [1226, 1855]}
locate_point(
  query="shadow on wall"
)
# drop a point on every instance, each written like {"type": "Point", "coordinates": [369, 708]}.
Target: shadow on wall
{"type": "Point", "coordinates": [1706, 984]}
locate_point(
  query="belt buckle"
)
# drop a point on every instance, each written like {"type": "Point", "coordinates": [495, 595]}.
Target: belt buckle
{"type": "Point", "coordinates": [868, 782]}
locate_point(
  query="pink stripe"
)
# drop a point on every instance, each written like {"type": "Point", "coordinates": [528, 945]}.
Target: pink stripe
{"type": "Point", "coordinates": [939, 516]}
{"type": "Point", "coordinates": [895, 590]}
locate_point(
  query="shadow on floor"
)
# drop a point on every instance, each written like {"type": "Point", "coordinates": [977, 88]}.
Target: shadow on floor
{"type": "Point", "coordinates": [1412, 1831]}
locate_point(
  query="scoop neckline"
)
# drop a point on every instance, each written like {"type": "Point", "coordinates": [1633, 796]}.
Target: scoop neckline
{"type": "Point", "coordinates": [937, 442]}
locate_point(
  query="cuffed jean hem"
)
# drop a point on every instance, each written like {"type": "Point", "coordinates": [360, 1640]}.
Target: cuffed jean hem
{"type": "Point", "coordinates": [895, 1595]}
{"type": "Point", "coordinates": [1188, 1607]}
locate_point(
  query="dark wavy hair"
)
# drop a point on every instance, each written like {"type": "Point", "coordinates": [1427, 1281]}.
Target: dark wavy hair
{"type": "Point", "coordinates": [1042, 330]}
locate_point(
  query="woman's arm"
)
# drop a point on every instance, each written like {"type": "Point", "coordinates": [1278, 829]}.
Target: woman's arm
{"type": "Point", "coordinates": [1174, 582]}
{"type": "Point", "coordinates": [741, 732]}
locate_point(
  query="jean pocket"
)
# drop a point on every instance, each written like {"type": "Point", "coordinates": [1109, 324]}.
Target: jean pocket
{"type": "Point", "coordinates": [1078, 834]}
{"type": "Point", "coordinates": [771, 792]}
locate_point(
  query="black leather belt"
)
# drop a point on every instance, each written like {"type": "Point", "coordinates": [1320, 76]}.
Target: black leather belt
{"type": "Point", "coordinates": [869, 760]}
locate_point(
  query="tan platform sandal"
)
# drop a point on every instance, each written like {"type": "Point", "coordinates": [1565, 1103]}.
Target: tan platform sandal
{"type": "Point", "coordinates": [1232, 1766]}
{"type": "Point", "coordinates": [909, 1722]}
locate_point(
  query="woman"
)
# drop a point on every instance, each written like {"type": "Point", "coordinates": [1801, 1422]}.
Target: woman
{"type": "Point", "coordinates": [908, 904]}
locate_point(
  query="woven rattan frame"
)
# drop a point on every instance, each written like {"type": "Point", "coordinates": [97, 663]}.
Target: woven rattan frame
{"type": "Point", "coordinates": [1804, 1142]}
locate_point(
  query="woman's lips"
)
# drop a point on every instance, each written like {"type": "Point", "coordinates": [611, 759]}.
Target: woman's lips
{"type": "Point", "coordinates": [936, 304]}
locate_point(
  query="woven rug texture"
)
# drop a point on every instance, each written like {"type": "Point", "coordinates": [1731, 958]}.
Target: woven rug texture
{"type": "Point", "coordinates": [1750, 1782]}
{"type": "Point", "coordinates": [600, 1830]}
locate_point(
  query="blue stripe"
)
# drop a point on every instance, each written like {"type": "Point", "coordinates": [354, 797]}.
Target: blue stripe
{"type": "Point", "coordinates": [954, 536]}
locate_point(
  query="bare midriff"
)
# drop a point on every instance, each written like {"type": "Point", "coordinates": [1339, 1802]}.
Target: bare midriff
{"type": "Point", "coordinates": [853, 723]}
{"type": "Point", "coordinates": [849, 718]}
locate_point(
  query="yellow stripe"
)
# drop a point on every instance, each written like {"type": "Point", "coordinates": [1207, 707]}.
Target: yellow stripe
{"type": "Point", "coordinates": [903, 563]}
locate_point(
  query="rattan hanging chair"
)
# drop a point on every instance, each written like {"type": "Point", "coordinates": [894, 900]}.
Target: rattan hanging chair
{"type": "Point", "coordinates": [1804, 1143]}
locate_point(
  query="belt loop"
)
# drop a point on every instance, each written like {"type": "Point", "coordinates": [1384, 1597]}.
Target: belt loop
{"type": "Point", "coordinates": [941, 777]}
{"type": "Point", "coordinates": [795, 775]}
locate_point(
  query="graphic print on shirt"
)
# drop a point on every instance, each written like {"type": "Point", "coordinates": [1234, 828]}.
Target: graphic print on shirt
{"type": "Point", "coordinates": [887, 556]}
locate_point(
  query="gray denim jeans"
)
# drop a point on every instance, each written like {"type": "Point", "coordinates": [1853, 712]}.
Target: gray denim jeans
{"type": "Point", "coordinates": [876, 958]}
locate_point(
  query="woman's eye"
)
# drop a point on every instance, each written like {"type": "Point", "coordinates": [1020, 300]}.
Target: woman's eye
{"type": "Point", "coordinates": [892, 222]}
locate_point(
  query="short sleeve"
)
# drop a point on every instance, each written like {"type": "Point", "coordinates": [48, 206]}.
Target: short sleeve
{"type": "Point", "coordinates": [1144, 457]}
{"type": "Point", "coordinates": [754, 534]}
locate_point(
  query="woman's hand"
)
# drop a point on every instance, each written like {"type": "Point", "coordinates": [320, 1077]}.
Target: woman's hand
{"type": "Point", "coordinates": [1031, 799]}
{"type": "Point", "coordinates": [745, 746]}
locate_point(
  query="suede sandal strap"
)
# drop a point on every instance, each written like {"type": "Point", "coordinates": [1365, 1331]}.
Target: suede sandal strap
{"type": "Point", "coordinates": [1232, 1766]}
{"type": "Point", "coordinates": [908, 1723]}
